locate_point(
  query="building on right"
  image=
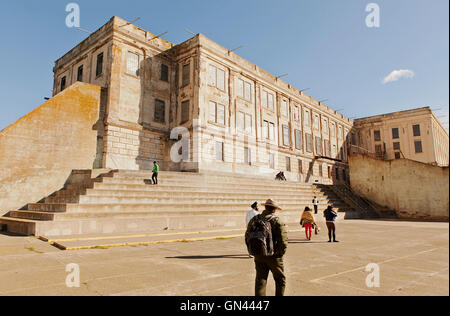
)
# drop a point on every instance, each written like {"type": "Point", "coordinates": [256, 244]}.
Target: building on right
{"type": "Point", "coordinates": [412, 134]}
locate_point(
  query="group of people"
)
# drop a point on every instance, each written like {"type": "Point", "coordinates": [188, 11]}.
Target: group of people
{"type": "Point", "coordinates": [267, 241]}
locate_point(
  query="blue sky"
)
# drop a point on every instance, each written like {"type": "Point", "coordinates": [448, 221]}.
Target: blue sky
{"type": "Point", "coordinates": [323, 45]}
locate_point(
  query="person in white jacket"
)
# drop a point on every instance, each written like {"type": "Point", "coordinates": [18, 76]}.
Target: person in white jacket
{"type": "Point", "coordinates": [252, 213]}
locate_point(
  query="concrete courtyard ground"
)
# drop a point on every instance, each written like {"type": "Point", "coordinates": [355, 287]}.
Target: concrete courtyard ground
{"type": "Point", "coordinates": [413, 258]}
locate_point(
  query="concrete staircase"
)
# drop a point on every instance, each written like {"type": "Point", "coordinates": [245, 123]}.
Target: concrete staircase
{"type": "Point", "coordinates": [124, 201]}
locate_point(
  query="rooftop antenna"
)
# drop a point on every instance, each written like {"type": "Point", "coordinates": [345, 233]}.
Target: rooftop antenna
{"type": "Point", "coordinates": [233, 50]}
{"type": "Point", "coordinates": [281, 76]}
{"type": "Point", "coordinates": [339, 110]}
{"type": "Point", "coordinates": [157, 36]}
{"type": "Point", "coordinates": [305, 89]}
{"type": "Point", "coordinates": [323, 100]}
{"type": "Point", "coordinates": [190, 32]}
{"type": "Point", "coordinates": [83, 30]}
{"type": "Point", "coordinates": [135, 20]}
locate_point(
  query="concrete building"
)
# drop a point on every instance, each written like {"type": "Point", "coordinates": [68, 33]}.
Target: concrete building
{"type": "Point", "coordinates": [240, 118]}
{"type": "Point", "coordinates": [413, 134]}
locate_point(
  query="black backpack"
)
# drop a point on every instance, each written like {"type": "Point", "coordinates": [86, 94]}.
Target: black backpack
{"type": "Point", "coordinates": [259, 237]}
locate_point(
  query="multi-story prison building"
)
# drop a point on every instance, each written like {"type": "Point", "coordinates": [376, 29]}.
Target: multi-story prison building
{"type": "Point", "coordinates": [240, 118]}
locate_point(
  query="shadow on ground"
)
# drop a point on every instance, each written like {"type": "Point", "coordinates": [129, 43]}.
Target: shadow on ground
{"type": "Point", "coordinates": [211, 257]}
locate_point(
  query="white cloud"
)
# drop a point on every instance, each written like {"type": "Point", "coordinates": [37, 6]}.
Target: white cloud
{"type": "Point", "coordinates": [398, 74]}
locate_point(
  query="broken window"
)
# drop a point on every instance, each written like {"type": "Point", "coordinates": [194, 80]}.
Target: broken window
{"type": "Point", "coordinates": [63, 83]}
{"type": "Point", "coordinates": [186, 75]}
{"type": "Point", "coordinates": [99, 69]}
{"type": "Point", "coordinates": [185, 110]}
{"type": "Point", "coordinates": [395, 133]}
{"type": "Point", "coordinates": [416, 130]}
{"type": "Point", "coordinates": [133, 64]}
{"type": "Point", "coordinates": [377, 135]}
{"type": "Point", "coordinates": [160, 112]}
{"type": "Point", "coordinates": [298, 139]}
{"type": "Point", "coordinates": [164, 73]}
{"type": "Point", "coordinates": [80, 73]}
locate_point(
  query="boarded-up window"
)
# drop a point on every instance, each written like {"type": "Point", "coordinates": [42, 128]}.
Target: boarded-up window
{"type": "Point", "coordinates": [240, 88]}
{"type": "Point", "coordinates": [296, 113]}
{"type": "Point", "coordinates": [220, 79]}
{"type": "Point", "coordinates": [298, 139]}
{"type": "Point", "coordinates": [212, 75]}
{"type": "Point", "coordinates": [265, 130]}
{"type": "Point", "coordinates": [284, 108]}
{"type": "Point", "coordinates": [272, 161]}
{"type": "Point", "coordinates": [185, 110]}
{"type": "Point", "coordinates": [160, 112]}
{"type": "Point", "coordinates": [286, 136]}
{"type": "Point", "coordinates": [247, 156]}
{"type": "Point", "coordinates": [247, 91]}
{"type": "Point", "coordinates": [213, 112]}
{"type": "Point", "coordinates": [325, 126]}
{"type": "Point", "coordinates": [288, 164]}
{"type": "Point", "coordinates": [307, 120]}
{"type": "Point", "coordinates": [219, 151]}
{"type": "Point", "coordinates": [164, 73]}
{"type": "Point", "coordinates": [327, 148]}
{"type": "Point", "coordinates": [270, 101]}
{"type": "Point", "coordinates": [309, 143]}
{"type": "Point", "coordinates": [333, 130]}
{"type": "Point", "coordinates": [264, 99]}
{"type": "Point", "coordinates": [318, 146]}
{"type": "Point", "coordinates": [271, 131]}
{"type": "Point", "coordinates": [418, 146]}
{"type": "Point", "coordinates": [186, 75]}
{"type": "Point", "coordinates": [133, 64]}
{"type": "Point", "coordinates": [99, 69]}
{"type": "Point", "coordinates": [316, 122]}
{"type": "Point", "coordinates": [416, 130]}
{"type": "Point", "coordinates": [341, 135]}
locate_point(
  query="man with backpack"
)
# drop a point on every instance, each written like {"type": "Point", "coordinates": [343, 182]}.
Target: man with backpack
{"type": "Point", "coordinates": [266, 239]}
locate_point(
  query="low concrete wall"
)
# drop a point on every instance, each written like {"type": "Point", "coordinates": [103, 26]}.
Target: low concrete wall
{"type": "Point", "coordinates": [413, 189]}
{"type": "Point", "coordinates": [39, 151]}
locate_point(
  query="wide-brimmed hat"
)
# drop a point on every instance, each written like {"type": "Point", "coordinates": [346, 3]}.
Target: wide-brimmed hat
{"type": "Point", "coordinates": [271, 203]}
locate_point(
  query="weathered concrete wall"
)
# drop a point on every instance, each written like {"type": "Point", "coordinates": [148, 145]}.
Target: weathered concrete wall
{"type": "Point", "coordinates": [39, 151]}
{"type": "Point", "coordinates": [413, 189]}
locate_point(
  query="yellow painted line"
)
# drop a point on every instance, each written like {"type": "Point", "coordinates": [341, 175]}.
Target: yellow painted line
{"type": "Point", "coordinates": [137, 236]}
{"type": "Point", "coordinates": [146, 243]}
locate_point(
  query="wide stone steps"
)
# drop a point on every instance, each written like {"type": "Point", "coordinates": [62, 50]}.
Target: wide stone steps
{"type": "Point", "coordinates": [125, 201]}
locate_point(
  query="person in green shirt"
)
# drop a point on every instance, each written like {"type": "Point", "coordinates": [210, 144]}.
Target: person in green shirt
{"type": "Point", "coordinates": [155, 172]}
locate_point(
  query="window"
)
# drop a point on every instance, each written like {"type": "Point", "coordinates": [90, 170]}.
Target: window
{"type": "Point", "coordinates": [416, 130]}
{"type": "Point", "coordinates": [333, 151]}
{"type": "Point", "coordinates": [353, 139]}
{"type": "Point", "coordinates": [216, 77]}
{"type": "Point", "coordinates": [63, 83]}
{"type": "Point", "coordinates": [307, 118]}
{"type": "Point", "coordinates": [240, 88]}
{"type": "Point", "coordinates": [320, 171]}
{"type": "Point", "coordinates": [288, 164]}
{"type": "Point", "coordinates": [80, 73]}
{"type": "Point", "coordinates": [164, 73]}
{"type": "Point", "coordinates": [327, 148]}
{"type": "Point", "coordinates": [245, 122]}
{"type": "Point", "coordinates": [418, 146]}
{"type": "Point", "coordinates": [247, 156]}
{"type": "Point", "coordinates": [333, 130]}
{"type": "Point", "coordinates": [271, 131]}
{"type": "Point", "coordinates": [296, 113]}
{"type": "Point", "coordinates": [99, 69]}
{"type": "Point", "coordinates": [318, 146]}
{"type": "Point", "coordinates": [395, 134]}
{"type": "Point", "coordinates": [284, 108]}
{"type": "Point", "coordinates": [186, 75]}
{"type": "Point", "coordinates": [270, 100]}
{"type": "Point", "coordinates": [133, 64]}
{"type": "Point", "coordinates": [264, 101]}
{"type": "Point", "coordinates": [377, 135]}
{"type": "Point", "coordinates": [397, 155]}
{"type": "Point", "coordinates": [316, 122]}
{"type": "Point", "coordinates": [160, 112]}
{"type": "Point", "coordinates": [298, 139]}
{"type": "Point", "coordinates": [216, 113]}
{"type": "Point", "coordinates": [340, 135]}
{"type": "Point", "coordinates": [219, 151]}
{"type": "Point", "coordinates": [309, 143]}
{"type": "Point", "coordinates": [396, 146]}
{"type": "Point", "coordinates": [378, 151]}
{"type": "Point", "coordinates": [286, 135]}
{"type": "Point", "coordinates": [272, 161]}
{"type": "Point", "coordinates": [337, 173]}
{"type": "Point", "coordinates": [265, 129]}
{"type": "Point", "coordinates": [300, 166]}
{"type": "Point", "coordinates": [329, 172]}
{"type": "Point", "coordinates": [185, 109]}
{"type": "Point", "coordinates": [325, 126]}
{"type": "Point", "coordinates": [247, 91]}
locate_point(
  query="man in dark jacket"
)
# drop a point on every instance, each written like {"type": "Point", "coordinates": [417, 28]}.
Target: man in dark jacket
{"type": "Point", "coordinates": [330, 216]}
{"type": "Point", "coordinates": [264, 265]}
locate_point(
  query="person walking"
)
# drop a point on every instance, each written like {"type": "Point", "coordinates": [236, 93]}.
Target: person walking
{"type": "Point", "coordinates": [330, 216]}
{"type": "Point", "coordinates": [315, 202]}
{"type": "Point", "coordinates": [250, 214]}
{"type": "Point", "coordinates": [155, 172]}
{"type": "Point", "coordinates": [308, 222]}
{"type": "Point", "coordinates": [267, 240]}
